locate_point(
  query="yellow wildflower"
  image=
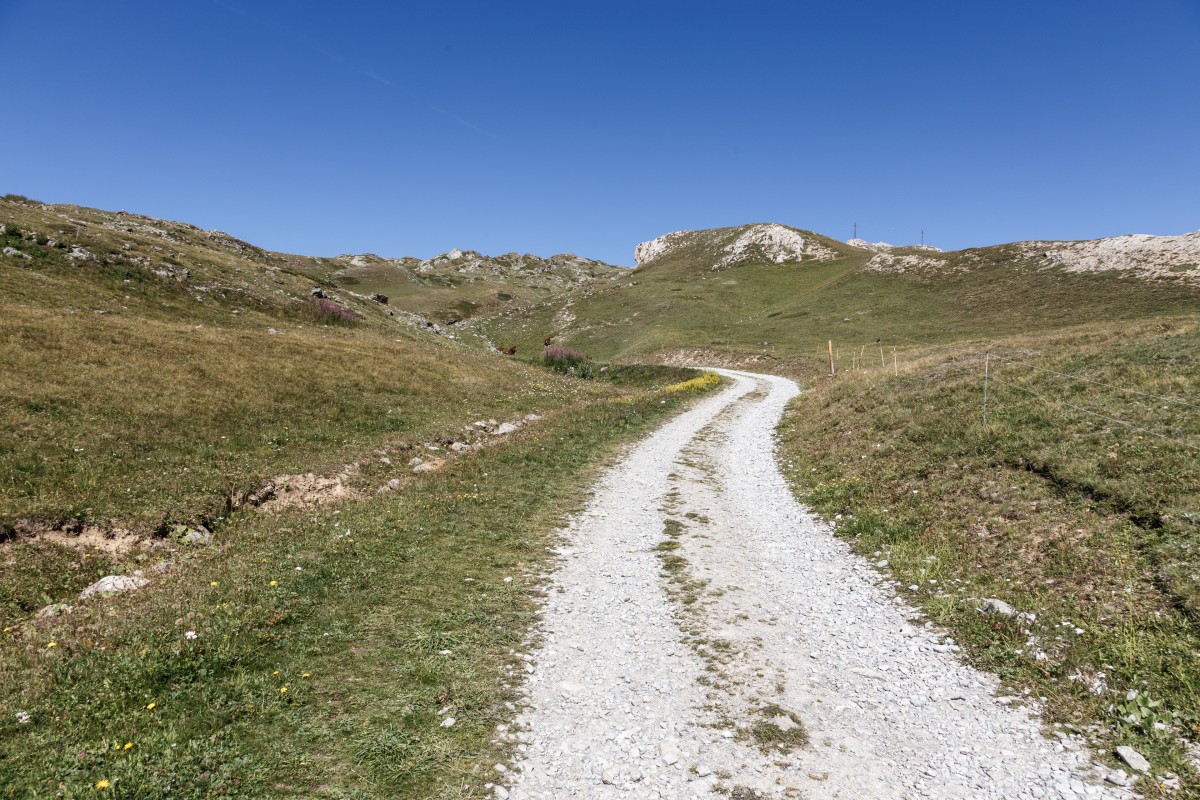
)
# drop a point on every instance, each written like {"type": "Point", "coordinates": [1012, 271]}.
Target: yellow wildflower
{"type": "Point", "coordinates": [212, 583]}
{"type": "Point", "coordinates": [306, 675]}
{"type": "Point", "coordinates": [104, 784]}
{"type": "Point", "coordinates": [276, 672]}
{"type": "Point", "coordinates": [274, 583]}
{"type": "Point", "coordinates": [283, 690]}
{"type": "Point", "coordinates": [151, 706]}
{"type": "Point", "coordinates": [52, 644]}
{"type": "Point", "coordinates": [128, 746]}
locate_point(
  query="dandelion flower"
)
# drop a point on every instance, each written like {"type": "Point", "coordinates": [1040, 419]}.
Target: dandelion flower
{"type": "Point", "coordinates": [104, 784]}
{"type": "Point", "coordinates": [128, 746]}
{"type": "Point", "coordinates": [274, 583]}
{"type": "Point", "coordinates": [283, 690]}
{"type": "Point", "coordinates": [212, 583]}
{"type": "Point", "coordinates": [276, 672]}
{"type": "Point", "coordinates": [52, 644]}
{"type": "Point", "coordinates": [306, 675]}
{"type": "Point", "coordinates": [151, 706]}
{"type": "Point", "coordinates": [189, 635]}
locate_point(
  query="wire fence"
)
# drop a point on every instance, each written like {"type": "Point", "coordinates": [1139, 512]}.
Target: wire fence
{"type": "Point", "coordinates": [989, 362]}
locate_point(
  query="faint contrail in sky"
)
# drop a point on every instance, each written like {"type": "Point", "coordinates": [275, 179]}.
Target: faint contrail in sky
{"type": "Point", "coordinates": [361, 70]}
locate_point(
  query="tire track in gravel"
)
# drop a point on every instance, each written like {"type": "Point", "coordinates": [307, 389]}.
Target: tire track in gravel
{"type": "Point", "coordinates": [658, 665]}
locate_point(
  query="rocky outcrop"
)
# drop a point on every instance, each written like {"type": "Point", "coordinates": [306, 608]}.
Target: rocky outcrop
{"type": "Point", "coordinates": [878, 247]}
{"type": "Point", "coordinates": [762, 242]}
{"type": "Point", "coordinates": [773, 243]}
{"type": "Point", "coordinates": [655, 249]}
{"type": "Point", "coordinates": [884, 247]}
{"type": "Point", "coordinates": [1144, 255]}
{"type": "Point", "coordinates": [906, 262]}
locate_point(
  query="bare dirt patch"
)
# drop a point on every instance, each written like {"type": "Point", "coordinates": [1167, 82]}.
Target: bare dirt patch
{"type": "Point", "coordinates": [109, 539]}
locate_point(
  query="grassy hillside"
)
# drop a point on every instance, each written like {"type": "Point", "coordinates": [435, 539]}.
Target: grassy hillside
{"type": "Point", "coordinates": [162, 368]}
{"type": "Point", "coordinates": [155, 380]}
{"type": "Point", "coordinates": [780, 312]}
{"type": "Point", "coordinates": [459, 285]}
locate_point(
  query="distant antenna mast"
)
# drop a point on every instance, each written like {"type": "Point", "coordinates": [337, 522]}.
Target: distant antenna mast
{"type": "Point", "coordinates": [922, 237]}
{"type": "Point", "coordinates": [856, 230]}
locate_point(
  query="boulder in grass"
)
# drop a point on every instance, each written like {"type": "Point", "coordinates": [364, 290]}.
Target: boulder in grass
{"type": "Point", "coordinates": [55, 610]}
{"type": "Point", "coordinates": [113, 584]}
{"type": "Point", "coordinates": [997, 607]}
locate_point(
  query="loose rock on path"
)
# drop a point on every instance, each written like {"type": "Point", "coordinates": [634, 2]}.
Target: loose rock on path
{"type": "Point", "coordinates": [659, 664]}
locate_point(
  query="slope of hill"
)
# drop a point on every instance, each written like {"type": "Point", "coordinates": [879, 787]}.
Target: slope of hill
{"type": "Point", "coordinates": [763, 292]}
{"type": "Point", "coordinates": [150, 367]}
{"type": "Point", "coordinates": [461, 284]}
{"type": "Point", "coordinates": [1160, 258]}
{"type": "Point", "coordinates": [292, 490]}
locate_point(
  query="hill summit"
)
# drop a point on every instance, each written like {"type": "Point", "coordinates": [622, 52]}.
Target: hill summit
{"type": "Point", "coordinates": [767, 242]}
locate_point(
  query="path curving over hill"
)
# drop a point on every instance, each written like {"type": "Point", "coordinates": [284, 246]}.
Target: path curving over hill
{"type": "Point", "coordinates": [699, 612]}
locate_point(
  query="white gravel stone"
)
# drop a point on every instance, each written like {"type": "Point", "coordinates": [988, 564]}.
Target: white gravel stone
{"type": "Point", "coordinates": [1133, 758]}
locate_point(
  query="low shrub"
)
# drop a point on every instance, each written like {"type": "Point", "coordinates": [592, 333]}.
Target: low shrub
{"type": "Point", "coordinates": [705, 381]}
{"type": "Point", "coordinates": [568, 361]}
{"type": "Point", "coordinates": [331, 313]}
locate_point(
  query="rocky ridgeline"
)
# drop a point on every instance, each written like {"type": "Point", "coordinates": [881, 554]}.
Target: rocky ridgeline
{"type": "Point", "coordinates": [761, 242]}
{"type": "Point", "coordinates": [1144, 255]}
{"type": "Point", "coordinates": [1150, 257]}
{"type": "Point", "coordinates": [884, 247]}
{"type": "Point", "coordinates": [563, 268]}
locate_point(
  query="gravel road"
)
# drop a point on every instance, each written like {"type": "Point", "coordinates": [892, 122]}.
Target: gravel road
{"type": "Point", "coordinates": [679, 670]}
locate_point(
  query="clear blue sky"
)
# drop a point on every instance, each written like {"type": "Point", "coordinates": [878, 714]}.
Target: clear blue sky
{"type": "Point", "coordinates": [412, 128]}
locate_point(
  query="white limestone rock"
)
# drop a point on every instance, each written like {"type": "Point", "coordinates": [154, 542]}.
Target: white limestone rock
{"type": "Point", "coordinates": [113, 584]}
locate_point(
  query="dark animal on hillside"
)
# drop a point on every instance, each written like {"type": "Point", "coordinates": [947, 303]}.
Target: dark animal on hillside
{"type": "Point", "coordinates": [380, 298]}
{"type": "Point", "coordinates": [548, 341]}
{"type": "Point", "coordinates": [508, 351]}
